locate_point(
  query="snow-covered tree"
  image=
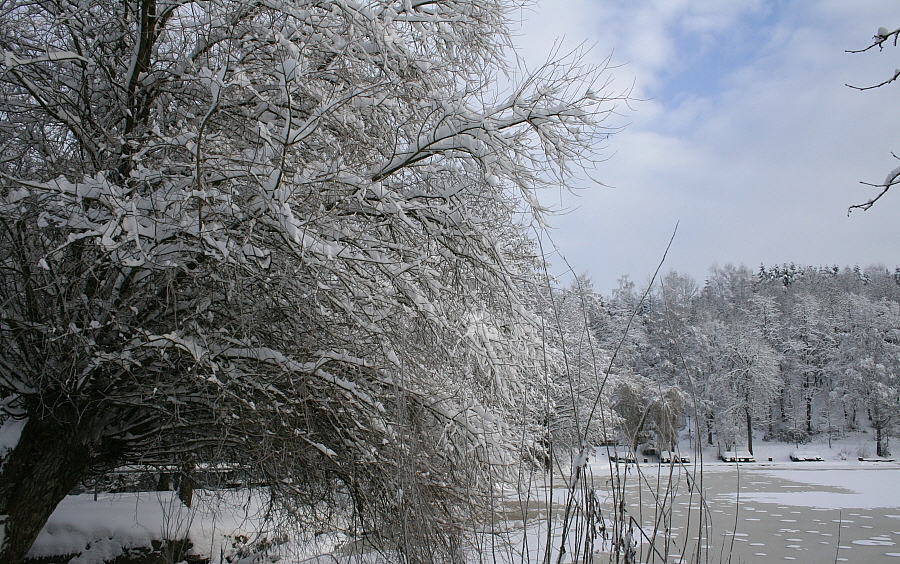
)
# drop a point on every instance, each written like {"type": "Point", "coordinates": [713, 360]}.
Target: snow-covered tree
{"type": "Point", "coordinates": [577, 382]}
{"type": "Point", "coordinates": [646, 407]}
{"type": "Point", "coordinates": [669, 330]}
{"type": "Point", "coordinates": [741, 378]}
{"type": "Point", "coordinates": [808, 355]}
{"type": "Point", "coordinates": [728, 290]}
{"type": "Point", "coordinates": [619, 326]}
{"type": "Point", "coordinates": [286, 235]}
{"type": "Point", "coordinates": [869, 347]}
{"type": "Point", "coordinates": [877, 390]}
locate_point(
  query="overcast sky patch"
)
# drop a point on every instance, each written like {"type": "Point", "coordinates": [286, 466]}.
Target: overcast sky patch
{"type": "Point", "coordinates": [745, 135]}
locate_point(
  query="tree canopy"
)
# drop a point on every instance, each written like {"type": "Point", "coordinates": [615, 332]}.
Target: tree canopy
{"type": "Point", "coordinates": [289, 235]}
{"type": "Point", "coordinates": [789, 351]}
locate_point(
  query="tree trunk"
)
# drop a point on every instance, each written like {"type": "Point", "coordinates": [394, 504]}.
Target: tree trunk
{"type": "Point", "coordinates": [36, 475]}
{"type": "Point", "coordinates": [186, 484]}
{"type": "Point", "coordinates": [881, 442]}
{"type": "Point", "coordinates": [809, 427]}
{"type": "Point", "coordinates": [781, 408]}
{"type": "Point", "coordinates": [749, 430]}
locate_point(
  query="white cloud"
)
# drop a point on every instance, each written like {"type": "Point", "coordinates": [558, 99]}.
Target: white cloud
{"type": "Point", "coordinates": [753, 142]}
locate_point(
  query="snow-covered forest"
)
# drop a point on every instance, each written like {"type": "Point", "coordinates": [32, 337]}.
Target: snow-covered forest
{"type": "Point", "coordinates": [791, 352]}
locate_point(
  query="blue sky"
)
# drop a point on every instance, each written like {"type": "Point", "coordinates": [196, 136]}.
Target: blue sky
{"type": "Point", "coordinates": [745, 135]}
{"type": "Point", "coordinates": [706, 58]}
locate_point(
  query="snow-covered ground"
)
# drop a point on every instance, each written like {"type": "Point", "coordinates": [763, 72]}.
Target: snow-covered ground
{"type": "Point", "coordinates": [221, 524]}
{"type": "Point", "coordinates": [838, 508]}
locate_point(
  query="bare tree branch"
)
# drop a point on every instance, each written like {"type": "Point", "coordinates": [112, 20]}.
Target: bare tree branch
{"type": "Point", "coordinates": [892, 178]}
{"type": "Point", "coordinates": [884, 35]}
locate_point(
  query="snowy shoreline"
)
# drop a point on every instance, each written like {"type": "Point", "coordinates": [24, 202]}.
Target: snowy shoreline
{"type": "Point", "coordinates": [103, 529]}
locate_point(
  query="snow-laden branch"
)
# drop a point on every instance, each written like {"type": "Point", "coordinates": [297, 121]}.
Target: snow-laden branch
{"type": "Point", "coordinates": [10, 61]}
{"type": "Point", "coordinates": [892, 178]}
{"type": "Point", "coordinates": [285, 235]}
{"type": "Point", "coordinates": [883, 36]}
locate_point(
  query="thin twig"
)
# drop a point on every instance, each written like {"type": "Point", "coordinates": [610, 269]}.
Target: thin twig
{"type": "Point", "coordinates": [879, 85]}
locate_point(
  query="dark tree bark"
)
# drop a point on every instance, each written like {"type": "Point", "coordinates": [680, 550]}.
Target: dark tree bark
{"type": "Point", "coordinates": [881, 442]}
{"type": "Point", "coordinates": [807, 395]}
{"type": "Point", "coordinates": [47, 463]}
{"type": "Point", "coordinates": [749, 429]}
{"type": "Point", "coordinates": [186, 484]}
{"type": "Point", "coordinates": [164, 483]}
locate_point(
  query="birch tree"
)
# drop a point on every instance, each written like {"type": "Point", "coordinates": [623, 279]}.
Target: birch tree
{"type": "Point", "coordinates": [272, 234]}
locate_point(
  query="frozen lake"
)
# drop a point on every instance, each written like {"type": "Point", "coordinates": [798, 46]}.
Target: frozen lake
{"type": "Point", "coordinates": [821, 512]}
{"type": "Point", "coordinates": [812, 515]}
{"type": "Point", "coordinates": [803, 512]}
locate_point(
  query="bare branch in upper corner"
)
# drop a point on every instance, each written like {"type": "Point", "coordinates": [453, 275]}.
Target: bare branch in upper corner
{"type": "Point", "coordinates": [882, 36]}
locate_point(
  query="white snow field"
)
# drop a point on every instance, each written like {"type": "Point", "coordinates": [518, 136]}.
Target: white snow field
{"type": "Point", "coordinates": [841, 509]}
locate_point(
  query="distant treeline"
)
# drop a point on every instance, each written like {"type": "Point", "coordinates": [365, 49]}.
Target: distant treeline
{"type": "Point", "coordinates": [793, 351]}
